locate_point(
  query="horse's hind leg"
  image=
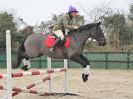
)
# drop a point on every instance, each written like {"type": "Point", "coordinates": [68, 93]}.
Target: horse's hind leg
{"type": "Point", "coordinates": [19, 58]}
{"type": "Point", "coordinates": [26, 61]}
{"type": "Point", "coordinates": [26, 64]}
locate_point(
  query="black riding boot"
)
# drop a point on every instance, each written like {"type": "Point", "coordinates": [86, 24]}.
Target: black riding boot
{"type": "Point", "coordinates": [57, 41]}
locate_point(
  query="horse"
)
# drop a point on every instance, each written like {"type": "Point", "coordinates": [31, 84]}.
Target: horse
{"type": "Point", "coordinates": [34, 46]}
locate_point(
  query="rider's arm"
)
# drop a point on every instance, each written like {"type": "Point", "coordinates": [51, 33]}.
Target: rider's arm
{"type": "Point", "coordinates": [66, 25]}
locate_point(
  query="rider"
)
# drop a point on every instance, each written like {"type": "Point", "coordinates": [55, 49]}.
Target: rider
{"type": "Point", "coordinates": [66, 23]}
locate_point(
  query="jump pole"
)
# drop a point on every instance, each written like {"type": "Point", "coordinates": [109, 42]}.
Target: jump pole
{"type": "Point", "coordinates": [9, 74]}
{"type": "Point", "coordinates": [8, 52]}
{"type": "Point", "coordinates": [65, 74]}
{"type": "Point", "coordinates": [49, 67]}
{"type": "Point", "coordinates": [33, 73]}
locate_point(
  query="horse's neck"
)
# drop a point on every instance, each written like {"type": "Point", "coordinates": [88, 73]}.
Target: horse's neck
{"type": "Point", "coordinates": [81, 37]}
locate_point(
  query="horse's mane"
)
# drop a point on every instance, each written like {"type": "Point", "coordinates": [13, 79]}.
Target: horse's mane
{"type": "Point", "coordinates": [84, 27]}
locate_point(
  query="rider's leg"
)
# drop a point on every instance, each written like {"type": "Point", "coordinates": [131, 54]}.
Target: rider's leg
{"type": "Point", "coordinates": [60, 36]}
{"type": "Point", "coordinates": [57, 41]}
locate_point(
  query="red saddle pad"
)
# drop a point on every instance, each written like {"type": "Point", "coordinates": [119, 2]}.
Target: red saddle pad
{"type": "Point", "coordinates": [49, 41]}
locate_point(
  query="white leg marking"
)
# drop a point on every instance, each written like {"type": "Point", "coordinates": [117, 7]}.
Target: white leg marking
{"type": "Point", "coordinates": [87, 69]}
{"type": "Point", "coordinates": [29, 64]}
{"type": "Point", "coordinates": [24, 62]}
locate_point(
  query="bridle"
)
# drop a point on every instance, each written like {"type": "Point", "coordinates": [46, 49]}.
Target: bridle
{"type": "Point", "coordinates": [94, 35]}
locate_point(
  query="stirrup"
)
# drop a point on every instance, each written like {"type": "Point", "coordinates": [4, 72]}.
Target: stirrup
{"type": "Point", "coordinates": [51, 50]}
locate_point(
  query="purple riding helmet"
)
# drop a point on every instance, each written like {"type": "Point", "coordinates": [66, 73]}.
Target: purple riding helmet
{"type": "Point", "coordinates": [72, 9]}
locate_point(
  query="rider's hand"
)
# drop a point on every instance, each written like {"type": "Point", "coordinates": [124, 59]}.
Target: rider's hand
{"type": "Point", "coordinates": [75, 27]}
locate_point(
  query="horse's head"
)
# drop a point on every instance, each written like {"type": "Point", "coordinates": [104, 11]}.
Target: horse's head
{"type": "Point", "coordinates": [98, 35]}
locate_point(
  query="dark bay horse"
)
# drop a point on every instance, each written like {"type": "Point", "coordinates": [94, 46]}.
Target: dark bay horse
{"type": "Point", "coordinates": [33, 46]}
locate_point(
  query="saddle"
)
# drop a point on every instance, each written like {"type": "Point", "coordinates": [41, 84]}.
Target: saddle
{"type": "Point", "coordinates": [50, 38]}
{"type": "Point", "coordinates": [55, 37]}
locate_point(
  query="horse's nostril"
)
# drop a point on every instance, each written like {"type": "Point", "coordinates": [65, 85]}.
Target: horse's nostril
{"type": "Point", "coordinates": [104, 43]}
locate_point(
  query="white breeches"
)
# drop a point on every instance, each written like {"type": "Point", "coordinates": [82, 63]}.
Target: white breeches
{"type": "Point", "coordinates": [59, 33]}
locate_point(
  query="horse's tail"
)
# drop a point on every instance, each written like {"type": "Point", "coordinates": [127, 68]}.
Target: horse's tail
{"type": "Point", "coordinates": [21, 50]}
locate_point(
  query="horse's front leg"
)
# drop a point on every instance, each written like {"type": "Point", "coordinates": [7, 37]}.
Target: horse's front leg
{"type": "Point", "coordinates": [86, 70]}
{"type": "Point", "coordinates": [85, 63]}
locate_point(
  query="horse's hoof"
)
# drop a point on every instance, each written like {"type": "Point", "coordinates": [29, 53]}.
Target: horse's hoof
{"type": "Point", "coordinates": [85, 77]}
{"type": "Point", "coordinates": [25, 68]}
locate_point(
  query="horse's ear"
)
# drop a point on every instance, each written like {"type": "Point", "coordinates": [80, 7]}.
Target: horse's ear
{"type": "Point", "coordinates": [99, 23]}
